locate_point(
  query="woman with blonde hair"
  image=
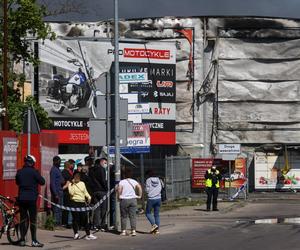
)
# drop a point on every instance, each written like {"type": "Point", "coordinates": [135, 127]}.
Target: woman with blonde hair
{"type": "Point", "coordinates": [80, 197]}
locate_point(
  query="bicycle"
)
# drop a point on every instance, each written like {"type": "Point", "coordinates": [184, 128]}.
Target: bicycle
{"type": "Point", "coordinates": [10, 218]}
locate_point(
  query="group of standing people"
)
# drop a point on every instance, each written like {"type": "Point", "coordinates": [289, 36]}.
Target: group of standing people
{"type": "Point", "coordinates": [81, 187]}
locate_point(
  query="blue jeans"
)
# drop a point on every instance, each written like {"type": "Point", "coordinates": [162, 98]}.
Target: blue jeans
{"type": "Point", "coordinates": [57, 212]}
{"type": "Point", "coordinates": [155, 204]}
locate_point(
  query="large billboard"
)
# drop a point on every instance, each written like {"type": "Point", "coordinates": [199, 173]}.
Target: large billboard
{"type": "Point", "coordinates": [71, 74]}
{"type": "Point", "coordinates": [271, 171]}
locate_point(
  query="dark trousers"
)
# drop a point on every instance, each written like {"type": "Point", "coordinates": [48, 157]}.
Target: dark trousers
{"type": "Point", "coordinates": [99, 219]}
{"type": "Point", "coordinates": [212, 194]}
{"type": "Point", "coordinates": [57, 212]}
{"type": "Point", "coordinates": [112, 208]}
{"type": "Point", "coordinates": [28, 207]}
{"type": "Point", "coordinates": [66, 215]}
{"type": "Point", "coordinates": [80, 218]}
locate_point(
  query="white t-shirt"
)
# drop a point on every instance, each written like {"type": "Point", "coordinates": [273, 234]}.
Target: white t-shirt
{"type": "Point", "coordinates": [128, 190]}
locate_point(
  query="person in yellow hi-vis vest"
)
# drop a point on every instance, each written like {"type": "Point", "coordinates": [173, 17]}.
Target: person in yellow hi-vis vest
{"type": "Point", "coordinates": [212, 183]}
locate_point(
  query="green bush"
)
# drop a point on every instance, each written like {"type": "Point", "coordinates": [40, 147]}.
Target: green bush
{"type": "Point", "coordinates": [50, 223]}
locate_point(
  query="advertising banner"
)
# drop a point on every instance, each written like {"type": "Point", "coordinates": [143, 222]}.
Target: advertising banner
{"type": "Point", "coordinates": [238, 175]}
{"type": "Point", "coordinates": [270, 171]}
{"type": "Point", "coordinates": [199, 167]}
{"type": "Point", "coordinates": [9, 160]}
{"type": "Point", "coordinates": [139, 142]}
{"type": "Point", "coordinates": [70, 76]}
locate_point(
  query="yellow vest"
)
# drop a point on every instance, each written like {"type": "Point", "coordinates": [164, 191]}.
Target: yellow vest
{"type": "Point", "coordinates": [208, 182]}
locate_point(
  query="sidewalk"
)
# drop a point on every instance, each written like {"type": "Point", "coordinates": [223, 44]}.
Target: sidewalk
{"type": "Point", "coordinates": [262, 195]}
{"type": "Point", "coordinates": [172, 222]}
{"type": "Point", "coordinates": [63, 239]}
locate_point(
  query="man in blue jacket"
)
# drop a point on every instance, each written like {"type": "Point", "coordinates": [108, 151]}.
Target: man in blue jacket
{"type": "Point", "coordinates": [56, 188]}
{"type": "Point", "coordinates": [28, 179]}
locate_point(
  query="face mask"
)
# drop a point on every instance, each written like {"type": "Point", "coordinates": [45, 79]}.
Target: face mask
{"type": "Point", "coordinates": [105, 165]}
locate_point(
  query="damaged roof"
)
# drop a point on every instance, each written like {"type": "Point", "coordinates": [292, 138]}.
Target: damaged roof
{"type": "Point", "coordinates": [98, 10]}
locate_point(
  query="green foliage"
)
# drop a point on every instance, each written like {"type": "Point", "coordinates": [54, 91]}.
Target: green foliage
{"type": "Point", "coordinates": [16, 112]}
{"type": "Point", "coordinates": [25, 19]}
{"type": "Point", "coordinates": [50, 223]}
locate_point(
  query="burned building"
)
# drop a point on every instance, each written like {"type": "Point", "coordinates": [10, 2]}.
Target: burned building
{"type": "Point", "coordinates": [237, 80]}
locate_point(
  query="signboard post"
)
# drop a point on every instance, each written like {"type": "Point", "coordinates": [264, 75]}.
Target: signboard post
{"type": "Point", "coordinates": [229, 152]}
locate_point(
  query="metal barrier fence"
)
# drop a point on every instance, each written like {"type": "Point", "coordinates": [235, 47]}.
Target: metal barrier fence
{"type": "Point", "coordinates": [178, 177]}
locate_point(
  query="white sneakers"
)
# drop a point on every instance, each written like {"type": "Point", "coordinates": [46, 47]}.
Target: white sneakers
{"type": "Point", "coordinates": [154, 228]}
{"type": "Point", "coordinates": [124, 233]}
{"type": "Point", "coordinates": [76, 236]}
{"type": "Point", "coordinates": [90, 237]}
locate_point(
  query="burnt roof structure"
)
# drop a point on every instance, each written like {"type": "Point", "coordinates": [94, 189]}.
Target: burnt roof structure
{"type": "Point", "coordinates": [92, 11]}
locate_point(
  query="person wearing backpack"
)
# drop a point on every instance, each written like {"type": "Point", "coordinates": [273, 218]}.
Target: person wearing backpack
{"type": "Point", "coordinates": [153, 189]}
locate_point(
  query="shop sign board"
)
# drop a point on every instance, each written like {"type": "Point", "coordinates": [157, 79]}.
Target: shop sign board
{"type": "Point", "coordinates": [9, 158]}
{"type": "Point", "coordinates": [139, 142]}
{"type": "Point", "coordinates": [229, 148]}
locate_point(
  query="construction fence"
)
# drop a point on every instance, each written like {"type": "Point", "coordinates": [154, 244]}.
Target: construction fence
{"type": "Point", "coordinates": [177, 177]}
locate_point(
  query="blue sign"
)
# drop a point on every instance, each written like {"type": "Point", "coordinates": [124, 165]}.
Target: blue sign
{"type": "Point", "coordinates": [131, 150]}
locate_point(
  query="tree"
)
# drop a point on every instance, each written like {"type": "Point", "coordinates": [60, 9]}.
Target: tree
{"type": "Point", "coordinates": [25, 19]}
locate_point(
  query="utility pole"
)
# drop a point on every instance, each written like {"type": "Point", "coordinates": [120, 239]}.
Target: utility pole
{"type": "Point", "coordinates": [117, 110]}
{"type": "Point", "coordinates": [5, 63]}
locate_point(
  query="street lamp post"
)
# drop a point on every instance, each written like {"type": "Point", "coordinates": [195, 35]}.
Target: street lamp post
{"type": "Point", "coordinates": [117, 110]}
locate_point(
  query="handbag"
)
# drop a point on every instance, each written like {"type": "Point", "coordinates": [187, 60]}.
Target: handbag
{"type": "Point", "coordinates": [163, 191]}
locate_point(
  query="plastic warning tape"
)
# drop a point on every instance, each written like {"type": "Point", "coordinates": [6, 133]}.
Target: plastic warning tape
{"type": "Point", "coordinates": [241, 189]}
{"type": "Point", "coordinates": [80, 209]}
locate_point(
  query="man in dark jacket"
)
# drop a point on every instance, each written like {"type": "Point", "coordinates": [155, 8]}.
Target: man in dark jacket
{"type": "Point", "coordinates": [28, 179]}
{"type": "Point", "coordinates": [67, 174]}
{"type": "Point", "coordinates": [56, 188]}
{"type": "Point", "coordinates": [98, 177]}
